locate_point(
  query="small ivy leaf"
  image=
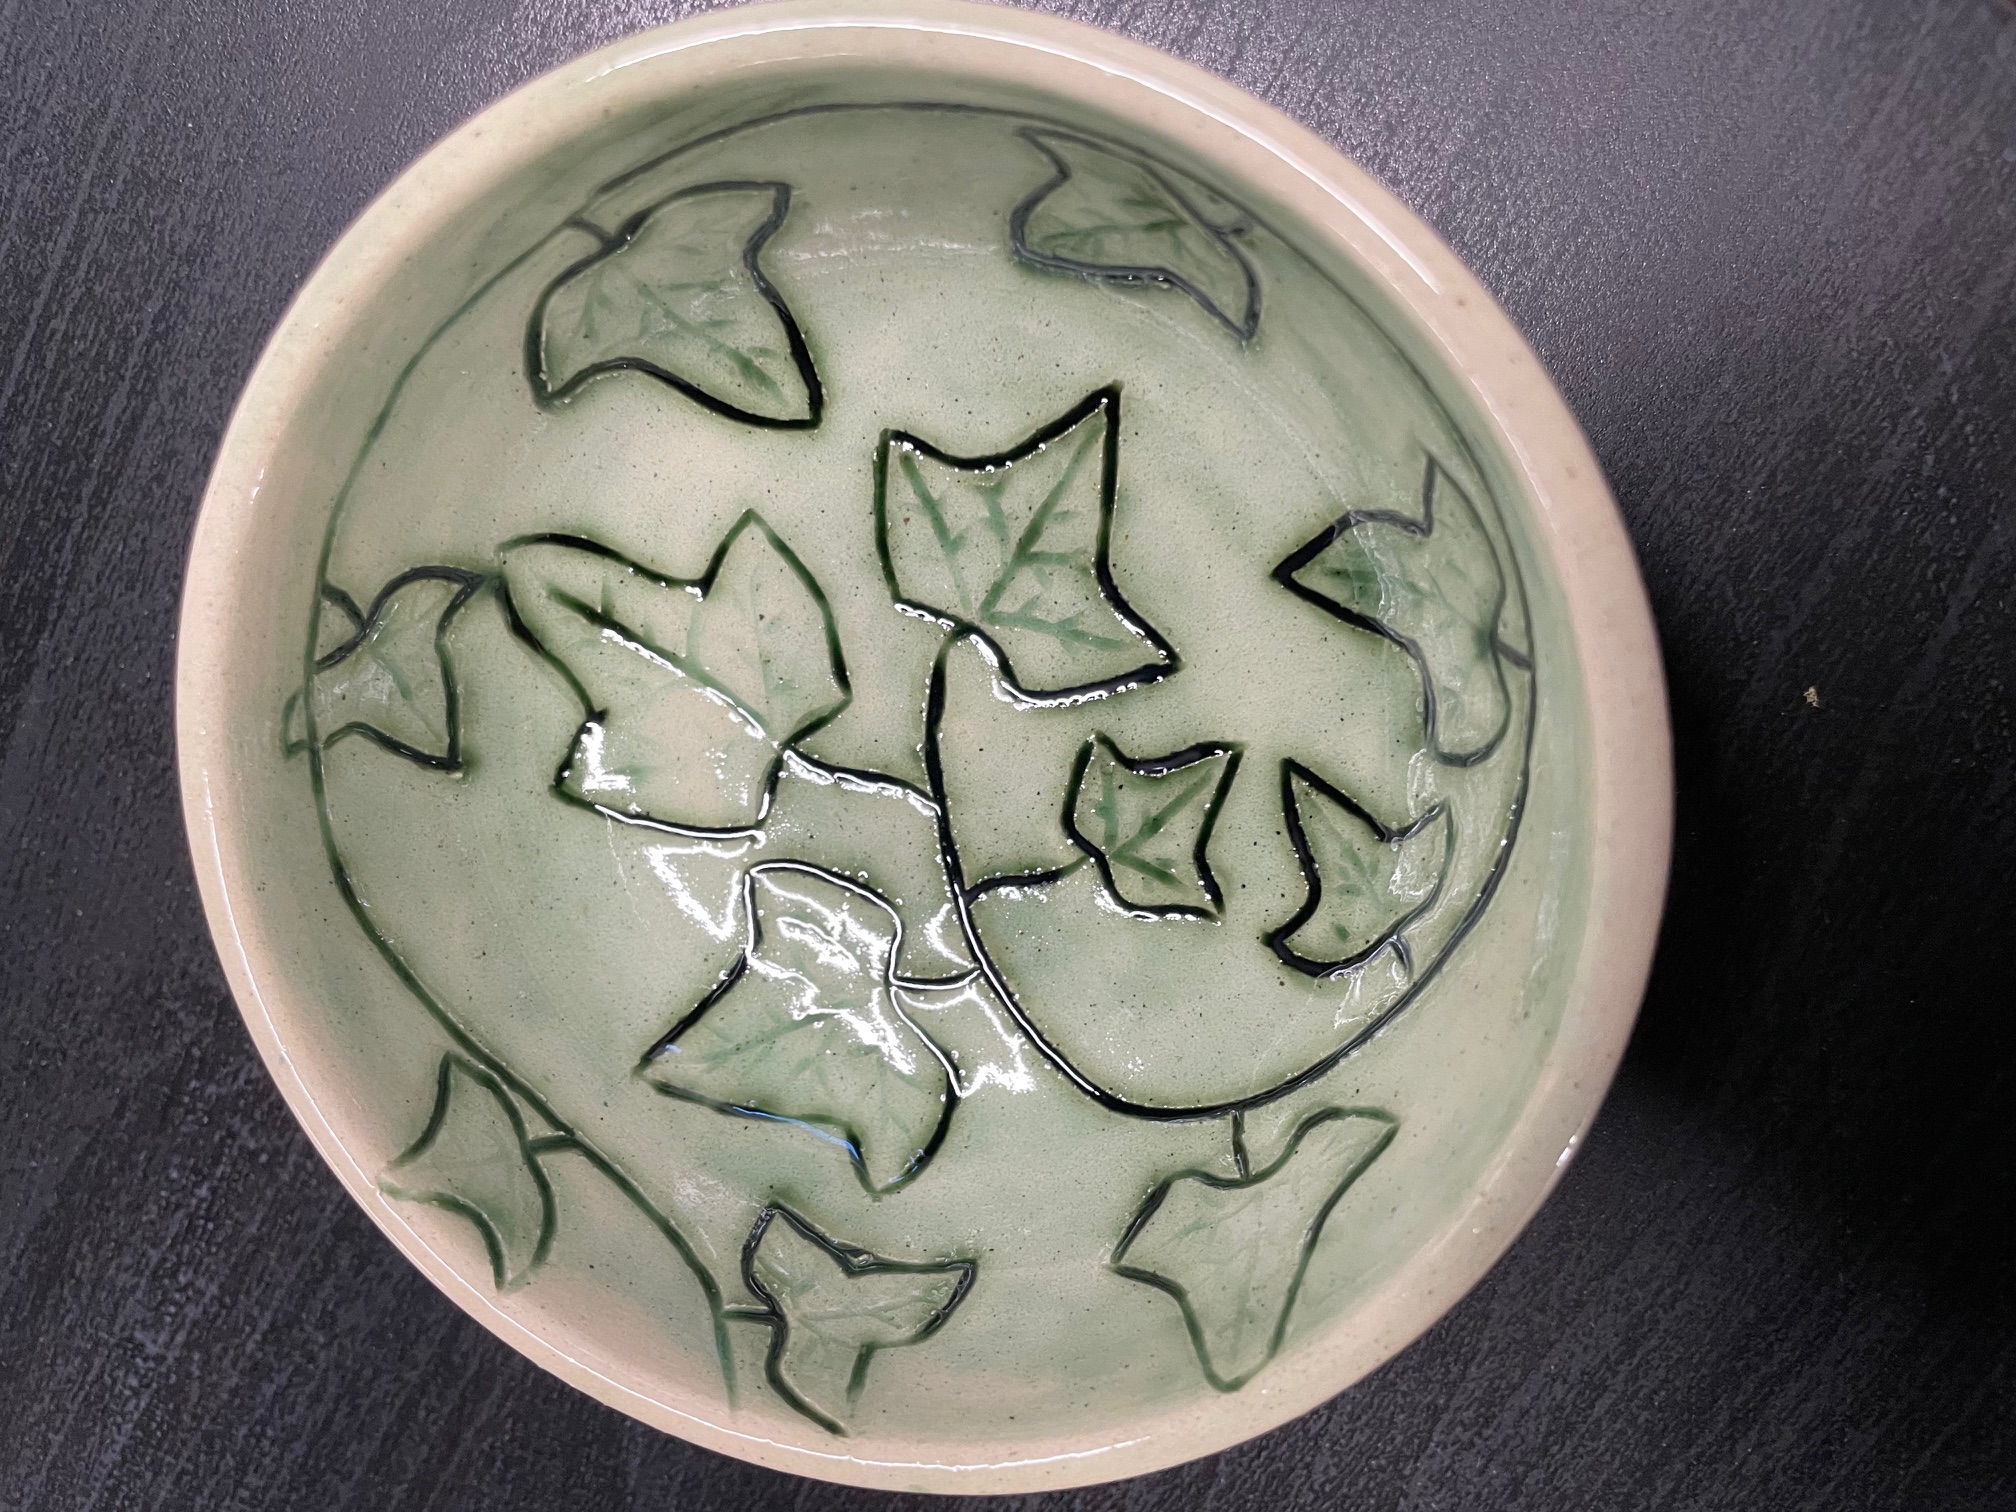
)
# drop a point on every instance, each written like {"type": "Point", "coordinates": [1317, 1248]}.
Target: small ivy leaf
{"type": "Point", "coordinates": [1232, 1250]}
{"type": "Point", "coordinates": [1108, 216]}
{"type": "Point", "coordinates": [473, 1158]}
{"type": "Point", "coordinates": [1435, 588]}
{"type": "Point", "coordinates": [806, 1028]}
{"type": "Point", "coordinates": [678, 294]}
{"type": "Point", "coordinates": [1015, 548]}
{"type": "Point", "coordinates": [692, 688]}
{"type": "Point", "coordinates": [1367, 881]}
{"type": "Point", "coordinates": [834, 1306]}
{"type": "Point", "coordinates": [1147, 824]}
{"type": "Point", "coordinates": [391, 680]}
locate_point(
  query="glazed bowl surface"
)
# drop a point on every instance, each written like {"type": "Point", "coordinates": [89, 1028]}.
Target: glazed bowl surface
{"type": "Point", "coordinates": [921, 746]}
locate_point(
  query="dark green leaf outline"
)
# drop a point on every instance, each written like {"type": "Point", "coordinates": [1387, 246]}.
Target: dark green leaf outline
{"type": "Point", "coordinates": [1248, 1178]}
{"type": "Point", "coordinates": [702, 586]}
{"type": "Point", "coordinates": [855, 1262]}
{"type": "Point", "coordinates": [529, 1149]}
{"type": "Point", "coordinates": [1421, 529]}
{"type": "Point", "coordinates": [1247, 323]}
{"type": "Point", "coordinates": [1393, 938]}
{"type": "Point", "coordinates": [1156, 766]}
{"type": "Point", "coordinates": [613, 243]}
{"type": "Point", "coordinates": [1106, 401]}
{"type": "Point", "coordinates": [820, 1127]}
{"type": "Point", "coordinates": [449, 759]}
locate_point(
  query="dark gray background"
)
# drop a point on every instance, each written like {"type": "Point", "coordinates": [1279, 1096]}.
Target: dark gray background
{"type": "Point", "coordinates": [1767, 249]}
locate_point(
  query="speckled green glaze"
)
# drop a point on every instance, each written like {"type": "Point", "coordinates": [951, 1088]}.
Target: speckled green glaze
{"type": "Point", "coordinates": [933, 780]}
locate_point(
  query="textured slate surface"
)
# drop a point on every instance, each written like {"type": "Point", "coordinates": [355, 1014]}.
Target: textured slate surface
{"type": "Point", "coordinates": [1769, 252]}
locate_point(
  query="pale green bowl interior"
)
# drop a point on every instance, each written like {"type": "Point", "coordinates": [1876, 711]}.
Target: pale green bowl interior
{"type": "Point", "coordinates": [545, 948]}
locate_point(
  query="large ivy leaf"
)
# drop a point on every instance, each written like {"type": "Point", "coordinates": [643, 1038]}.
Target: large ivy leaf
{"type": "Point", "coordinates": [1015, 547]}
{"type": "Point", "coordinates": [1147, 823]}
{"type": "Point", "coordinates": [678, 293]}
{"type": "Point", "coordinates": [692, 687]}
{"type": "Point", "coordinates": [1109, 216]}
{"type": "Point", "coordinates": [390, 679]}
{"type": "Point", "coordinates": [1435, 588]}
{"type": "Point", "coordinates": [1367, 881]}
{"type": "Point", "coordinates": [806, 1028]}
{"type": "Point", "coordinates": [1232, 1250]}
{"type": "Point", "coordinates": [835, 1306]}
{"type": "Point", "coordinates": [474, 1158]}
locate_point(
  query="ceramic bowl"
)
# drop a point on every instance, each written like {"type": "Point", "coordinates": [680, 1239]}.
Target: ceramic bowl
{"type": "Point", "coordinates": [922, 748]}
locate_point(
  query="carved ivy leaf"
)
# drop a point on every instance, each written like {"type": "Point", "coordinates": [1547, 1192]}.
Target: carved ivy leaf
{"type": "Point", "coordinates": [1367, 881]}
{"type": "Point", "coordinates": [835, 1306]}
{"type": "Point", "coordinates": [1435, 588]}
{"type": "Point", "coordinates": [1108, 216]}
{"type": "Point", "coordinates": [1147, 823]}
{"type": "Point", "coordinates": [390, 680]}
{"type": "Point", "coordinates": [475, 1159]}
{"type": "Point", "coordinates": [1232, 1251]}
{"type": "Point", "coordinates": [692, 687]}
{"type": "Point", "coordinates": [678, 293]}
{"type": "Point", "coordinates": [806, 1028]}
{"type": "Point", "coordinates": [1015, 547]}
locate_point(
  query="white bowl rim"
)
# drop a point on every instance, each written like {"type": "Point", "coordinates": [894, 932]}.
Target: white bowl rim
{"type": "Point", "coordinates": [1574, 516]}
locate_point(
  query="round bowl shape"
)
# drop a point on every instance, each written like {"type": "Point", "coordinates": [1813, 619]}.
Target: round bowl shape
{"type": "Point", "coordinates": [921, 746]}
